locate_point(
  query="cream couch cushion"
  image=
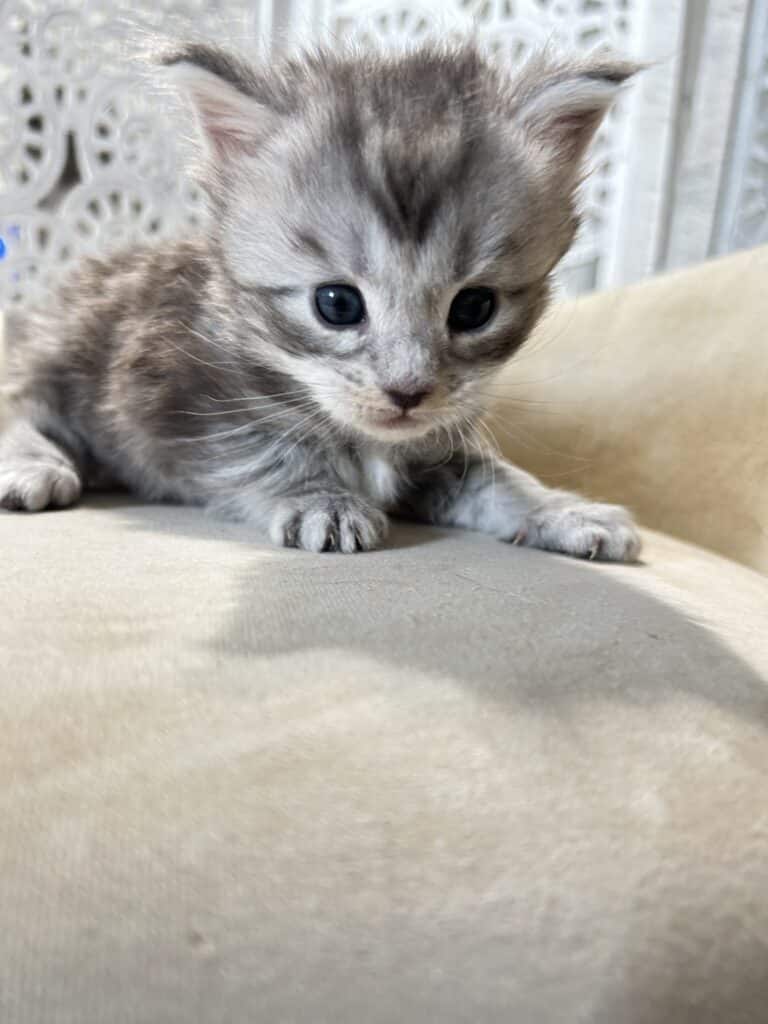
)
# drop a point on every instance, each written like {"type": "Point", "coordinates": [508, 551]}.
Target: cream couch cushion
{"type": "Point", "coordinates": [452, 780]}
{"type": "Point", "coordinates": [449, 781]}
{"type": "Point", "coordinates": [656, 396]}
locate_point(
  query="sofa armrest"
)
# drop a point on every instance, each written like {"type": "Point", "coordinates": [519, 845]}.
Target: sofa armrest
{"type": "Point", "coordinates": [655, 396]}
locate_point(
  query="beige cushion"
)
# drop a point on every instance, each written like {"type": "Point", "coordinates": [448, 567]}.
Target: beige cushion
{"type": "Point", "coordinates": [449, 781]}
{"type": "Point", "coordinates": [453, 780]}
{"type": "Point", "coordinates": [656, 396]}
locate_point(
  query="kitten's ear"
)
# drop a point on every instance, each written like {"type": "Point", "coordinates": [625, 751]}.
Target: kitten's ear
{"type": "Point", "coordinates": [559, 105]}
{"type": "Point", "coordinates": [223, 91]}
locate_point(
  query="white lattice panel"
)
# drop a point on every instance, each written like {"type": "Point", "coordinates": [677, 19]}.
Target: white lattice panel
{"type": "Point", "coordinates": [87, 159]}
{"type": "Point", "coordinates": [743, 212]}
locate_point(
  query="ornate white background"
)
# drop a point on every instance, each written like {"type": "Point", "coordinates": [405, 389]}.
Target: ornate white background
{"type": "Point", "coordinates": [91, 157]}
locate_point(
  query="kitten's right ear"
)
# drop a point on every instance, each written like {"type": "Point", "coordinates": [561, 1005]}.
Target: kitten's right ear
{"type": "Point", "coordinates": [222, 90]}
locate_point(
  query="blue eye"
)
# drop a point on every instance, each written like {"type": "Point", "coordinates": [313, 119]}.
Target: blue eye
{"type": "Point", "coordinates": [471, 308]}
{"type": "Point", "coordinates": [340, 305]}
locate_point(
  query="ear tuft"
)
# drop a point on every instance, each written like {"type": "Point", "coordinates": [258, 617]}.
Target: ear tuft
{"type": "Point", "coordinates": [559, 104]}
{"type": "Point", "coordinates": [223, 91]}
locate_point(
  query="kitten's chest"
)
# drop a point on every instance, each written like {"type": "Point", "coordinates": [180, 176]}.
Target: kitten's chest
{"type": "Point", "coordinates": [375, 475]}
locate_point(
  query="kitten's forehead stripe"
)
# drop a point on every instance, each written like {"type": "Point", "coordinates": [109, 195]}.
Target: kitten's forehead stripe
{"type": "Point", "coordinates": [414, 189]}
{"type": "Point", "coordinates": [410, 134]}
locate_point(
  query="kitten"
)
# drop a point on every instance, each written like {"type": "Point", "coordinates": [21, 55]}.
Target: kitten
{"type": "Point", "coordinates": [382, 237]}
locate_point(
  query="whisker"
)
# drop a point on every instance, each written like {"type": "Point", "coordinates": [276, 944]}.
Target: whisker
{"type": "Point", "coordinates": [478, 439]}
{"type": "Point", "coordinates": [253, 425]}
{"type": "Point", "coordinates": [242, 411]}
{"type": "Point", "coordinates": [451, 446]}
{"type": "Point", "coordinates": [567, 368]}
{"type": "Point", "coordinates": [465, 451]}
{"type": "Point", "coordinates": [493, 444]}
{"type": "Point", "coordinates": [259, 398]}
{"type": "Point", "coordinates": [528, 443]}
{"type": "Point", "coordinates": [537, 405]}
{"type": "Point", "coordinates": [312, 426]}
{"type": "Point", "coordinates": [203, 362]}
{"type": "Point", "coordinates": [542, 340]}
{"type": "Point", "coordinates": [220, 434]}
{"type": "Point", "coordinates": [272, 451]}
{"type": "Point", "coordinates": [205, 338]}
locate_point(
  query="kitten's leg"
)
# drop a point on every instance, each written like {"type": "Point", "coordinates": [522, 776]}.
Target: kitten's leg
{"type": "Point", "coordinates": [35, 472]}
{"type": "Point", "coordinates": [318, 518]}
{"type": "Point", "coordinates": [502, 500]}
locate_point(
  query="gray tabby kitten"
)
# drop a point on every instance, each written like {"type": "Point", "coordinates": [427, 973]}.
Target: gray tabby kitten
{"type": "Point", "coordinates": [382, 237]}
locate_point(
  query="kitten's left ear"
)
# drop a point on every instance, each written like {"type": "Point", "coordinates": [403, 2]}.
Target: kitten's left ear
{"type": "Point", "coordinates": [225, 94]}
{"type": "Point", "coordinates": [559, 105]}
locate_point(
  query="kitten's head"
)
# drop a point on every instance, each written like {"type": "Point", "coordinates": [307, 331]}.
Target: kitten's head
{"type": "Point", "coordinates": [393, 221]}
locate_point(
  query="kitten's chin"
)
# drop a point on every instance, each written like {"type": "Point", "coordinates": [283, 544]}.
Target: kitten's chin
{"type": "Point", "coordinates": [394, 429]}
{"type": "Point", "coordinates": [396, 434]}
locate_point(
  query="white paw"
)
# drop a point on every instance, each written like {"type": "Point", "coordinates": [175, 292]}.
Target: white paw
{"type": "Point", "coordinates": [320, 522]}
{"type": "Point", "coordinates": [31, 486]}
{"type": "Point", "coordinates": [583, 529]}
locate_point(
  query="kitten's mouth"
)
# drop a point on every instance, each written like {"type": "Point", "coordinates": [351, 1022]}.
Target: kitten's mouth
{"type": "Point", "coordinates": [395, 426]}
{"type": "Point", "coordinates": [394, 420]}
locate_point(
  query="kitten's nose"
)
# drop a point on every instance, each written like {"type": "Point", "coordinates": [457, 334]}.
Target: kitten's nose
{"type": "Point", "coordinates": [406, 400]}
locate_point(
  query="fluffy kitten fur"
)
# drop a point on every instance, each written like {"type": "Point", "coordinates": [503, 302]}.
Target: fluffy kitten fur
{"type": "Point", "coordinates": [200, 371]}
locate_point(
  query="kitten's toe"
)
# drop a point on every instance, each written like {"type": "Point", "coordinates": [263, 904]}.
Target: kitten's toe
{"type": "Point", "coordinates": [361, 528]}
{"type": "Point", "coordinates": [585, 530]}
{"type": "Point", "coordinates": [318, 531]}
{"type": "Point", "coordinates": [32, 487]}
{"type": "Point", "coordinates": [322, 523]}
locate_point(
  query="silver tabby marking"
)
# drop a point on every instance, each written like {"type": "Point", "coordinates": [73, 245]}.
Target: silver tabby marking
{"type": "Point", "coordinates": [204, 372]}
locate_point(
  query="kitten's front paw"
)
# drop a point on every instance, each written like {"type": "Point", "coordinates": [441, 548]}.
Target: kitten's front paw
{"type": "Point", "coordinates": [34, 486]}
{"type": "Point", "coordinates": [322, 522]}
{"type": "Point", "coordinates": [583, 529]}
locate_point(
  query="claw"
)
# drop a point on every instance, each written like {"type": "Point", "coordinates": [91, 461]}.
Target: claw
{"type": "Point", "coordinates": [519, 537]}
{"type": "Point", "coordinates": [332, 540]}
{"type": "Point", "coordinates": [594, 551]}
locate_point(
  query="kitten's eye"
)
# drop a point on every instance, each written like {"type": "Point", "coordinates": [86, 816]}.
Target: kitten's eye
{"type": "Point", "coordinates": [340, 304]}
{"type": "Point", "coordinates": [471, 308]}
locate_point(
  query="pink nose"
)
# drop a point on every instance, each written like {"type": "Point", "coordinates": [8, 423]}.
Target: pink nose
{"type": "Point", "coordinates": [406, 400]}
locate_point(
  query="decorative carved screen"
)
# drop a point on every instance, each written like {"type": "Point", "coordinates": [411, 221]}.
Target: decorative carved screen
{"type": "Point", "coordinates": [91, 156]}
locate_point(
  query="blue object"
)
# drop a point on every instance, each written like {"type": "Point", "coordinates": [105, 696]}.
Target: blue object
{"type": "Point", "coordinates": [13, 235]}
